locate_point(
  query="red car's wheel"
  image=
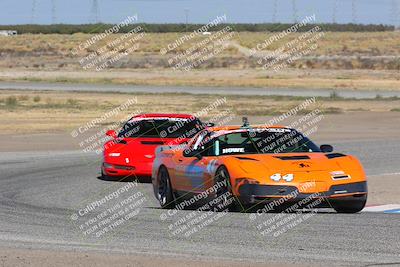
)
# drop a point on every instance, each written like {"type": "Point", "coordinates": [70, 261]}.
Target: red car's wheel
{"type": "Point", "coordinates": [103, 175]}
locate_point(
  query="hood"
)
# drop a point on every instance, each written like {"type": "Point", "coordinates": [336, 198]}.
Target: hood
{"type": "Point", "coordinates": [311, 172]}
{"type": "Point", "coordinates": [288, 162]}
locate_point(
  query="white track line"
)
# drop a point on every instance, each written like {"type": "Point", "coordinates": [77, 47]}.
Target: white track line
{"type": "Point", "coordinates": [384, 174]}
{"type": "Point", "coordinates": [381, 208]}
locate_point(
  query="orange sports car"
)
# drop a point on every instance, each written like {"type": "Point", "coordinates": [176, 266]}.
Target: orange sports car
{"type": "Point", "coordinates": [240, 167]}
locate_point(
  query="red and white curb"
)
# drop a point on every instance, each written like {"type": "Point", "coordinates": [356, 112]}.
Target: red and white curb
{"type": "Point", "coordinates": [388, 208]}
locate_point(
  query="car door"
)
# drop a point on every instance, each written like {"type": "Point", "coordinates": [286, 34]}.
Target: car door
{"type": "Point", "coordinates": [191, 173]}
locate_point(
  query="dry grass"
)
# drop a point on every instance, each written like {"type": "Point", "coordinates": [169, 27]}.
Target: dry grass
{"type": "Point", "coordinates": [292, 78]}
{"type": "Point", "coordinates": [338, 43]}
{"type": "Point", "coordinates": [342, 60]}
{"type": "Point", "coordinates": [333, 43]}
{"type": "Point", "coordinates": [32, 112]}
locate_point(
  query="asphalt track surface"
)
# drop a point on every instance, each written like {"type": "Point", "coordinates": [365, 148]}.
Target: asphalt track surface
{"type": "Point", "coordinates": [39, 191]}
{"type": "Point", "coordinates": [195, 90]}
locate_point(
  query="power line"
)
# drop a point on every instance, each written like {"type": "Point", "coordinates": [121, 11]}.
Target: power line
{"type": "Point", "coordinates": [337, 14]}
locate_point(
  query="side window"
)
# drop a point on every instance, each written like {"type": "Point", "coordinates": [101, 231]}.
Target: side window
{"type": "Point", "coordinates": [203, 143]}
{"type": "Point", "coordinates": [196, 141]}
{"type": "Point", "coordinates": [208, 148]}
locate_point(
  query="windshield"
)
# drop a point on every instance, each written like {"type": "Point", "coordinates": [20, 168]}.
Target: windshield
{"type": "Point", "coordinates": [263, 141]}
{"type": "Point", "coordinates": [161, 128]}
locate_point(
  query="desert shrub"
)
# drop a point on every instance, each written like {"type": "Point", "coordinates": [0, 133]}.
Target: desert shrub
{"type": "Point", "coordinates": [36, 99]}
{"type": "Point", "coordinates": [11, 101]}
{"type": "Point", "coordinates": [72, 102]}
{"type": "Point", "coordinates": [23, 97]}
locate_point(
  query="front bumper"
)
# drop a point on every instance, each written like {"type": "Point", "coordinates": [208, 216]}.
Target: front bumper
{"type": "Point", "coordinates": [256, 193]}
{"type": "Point", "coordinates": [140, 169]}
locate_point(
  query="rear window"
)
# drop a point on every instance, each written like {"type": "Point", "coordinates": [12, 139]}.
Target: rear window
{"type": "Point", "coordinates": [161, 128]}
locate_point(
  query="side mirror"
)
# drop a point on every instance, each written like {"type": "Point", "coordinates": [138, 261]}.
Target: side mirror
{"type": "Point", "coordinates": [111, 133]}
{"type": "Point", "coordinates": [326, 148]}
{"type": "Point", "coordinates": [192, 153]}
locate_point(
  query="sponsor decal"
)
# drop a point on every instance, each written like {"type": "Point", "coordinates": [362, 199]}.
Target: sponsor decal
{"type": "Point", "coordinates": [304, 165]}
{"type": "Point", "coordinates": [233, 150]}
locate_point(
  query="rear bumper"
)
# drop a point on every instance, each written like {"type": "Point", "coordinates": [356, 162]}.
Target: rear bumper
{"type": "Point", "coordinates": [256, 193]}
{"type": "Point", "coordinates": [142, 169]}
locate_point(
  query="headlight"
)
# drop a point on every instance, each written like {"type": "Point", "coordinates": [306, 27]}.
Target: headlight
{"type": "Point", "coordinates": [277, 177]}
{"type": "Point", "coordinates": [288, 177]}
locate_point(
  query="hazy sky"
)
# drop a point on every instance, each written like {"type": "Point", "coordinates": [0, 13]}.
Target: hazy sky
{"type": "Point", "coordinates": [199, 11]}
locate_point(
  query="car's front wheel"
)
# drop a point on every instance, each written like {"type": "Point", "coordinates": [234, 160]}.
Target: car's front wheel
{"type": "Point", "coordinates": [351, 206]}
{"type": "Point", "coordinates": [225, 199]}
{"type": "Point", "coordinates": [164, 193]}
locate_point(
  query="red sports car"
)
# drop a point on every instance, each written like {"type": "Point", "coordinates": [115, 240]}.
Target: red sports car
{"type": "Point", "coordinates": [131, 151]}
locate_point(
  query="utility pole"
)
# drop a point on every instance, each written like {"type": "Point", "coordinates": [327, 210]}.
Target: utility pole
{"type": "Point", "coordinates": [353, 11]}
{"type": "Point", "coordinates": [33, 11]}
{"type": "Point", "coordinates": [395, 13]}
{"type": "Point", "coordinates": [274, 10]}
{"type": "Point", "coordinates": [334, 11]}
{"type": "Point", "coordinates": [186, 19]}
{"type": "Point", "coordinates": [53, 12]}
{"type": "Point", "coordinates": [294, 7]}
{"type": "Point", "coordinates": [95, 11]}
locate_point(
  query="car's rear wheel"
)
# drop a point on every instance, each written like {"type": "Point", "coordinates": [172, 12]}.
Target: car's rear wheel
{"type": "Point", "coordinates": [350, 206]}
{"type": "Point", "coordinates": [226, 200]}
{"type": "Point", "coordinates": [165, 194]}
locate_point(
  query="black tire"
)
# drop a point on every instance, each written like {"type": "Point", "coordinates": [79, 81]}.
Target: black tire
{"type": "Point", "coordinates": [351, 206]}
{"type": "Point", "coordinates": [104, 176]}
{"type": "Point", "coordinates": [164, 193]}
{"type": "Point", "coordinates": [227, 201]}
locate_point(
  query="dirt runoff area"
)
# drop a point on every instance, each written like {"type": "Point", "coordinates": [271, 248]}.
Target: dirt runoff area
{"type": "Point", "coordinates": [47, 258]}
{"type": "Point", "coordinates": [349, 126]}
